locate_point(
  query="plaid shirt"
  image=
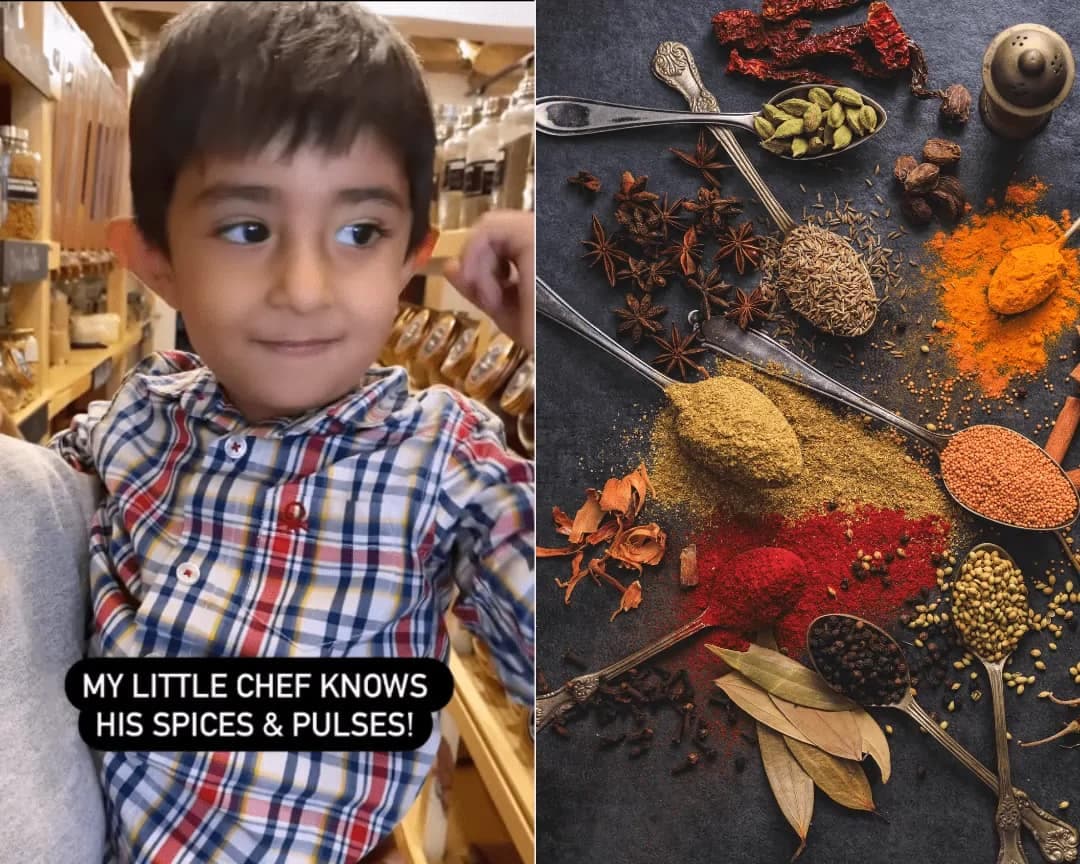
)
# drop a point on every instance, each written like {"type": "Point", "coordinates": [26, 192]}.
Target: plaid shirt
{"type": "Point", "coordinates": [340, 533]}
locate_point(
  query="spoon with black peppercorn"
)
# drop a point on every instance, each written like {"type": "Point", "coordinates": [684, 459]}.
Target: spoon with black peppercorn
{"type": "Point", "coordinates": [837, 642]}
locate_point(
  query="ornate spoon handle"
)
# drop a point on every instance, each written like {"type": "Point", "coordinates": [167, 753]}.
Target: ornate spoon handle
{"type": "Point", "coordinates": [674, 65]}
{"type": "Point", "coordinates": [1007, 818]}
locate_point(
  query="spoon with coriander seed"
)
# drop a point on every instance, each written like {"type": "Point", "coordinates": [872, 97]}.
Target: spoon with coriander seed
{"type": "Point", "coordinates": [990, 612]}
{"type": "Point", "coordinates": [726, 424]}
{"type": "Point", "coordinates": [886, 683]}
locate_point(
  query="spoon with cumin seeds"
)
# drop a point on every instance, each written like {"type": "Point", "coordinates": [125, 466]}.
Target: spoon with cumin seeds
{"type": "Point", "coordinates": [883, 680]}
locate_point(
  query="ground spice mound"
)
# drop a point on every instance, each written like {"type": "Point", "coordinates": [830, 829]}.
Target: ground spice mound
{"type": "Point", "coordinates": [732, 428]}
{"type": "Point", "coordinates": [993, 348]}
{"type": "Point", "coordinates": [902, 554]}
{"type": "Point", "coordinates": [845, 462]}
{"type": "Point", "coordinates": [1025, 194]}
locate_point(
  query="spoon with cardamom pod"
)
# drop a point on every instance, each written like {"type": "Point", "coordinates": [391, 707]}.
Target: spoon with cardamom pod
{"type": "Point", "coordinates": [885, 682]}
{"type": "Point", "coordinates": [801, 123]}
{"type": "Point", "coordinates": [990, 612]}
{"type": "Point", "coordinates": [991, 471]}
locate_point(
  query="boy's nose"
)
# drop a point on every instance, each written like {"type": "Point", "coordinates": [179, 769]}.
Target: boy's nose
{"type": "Point", "coordinates": [303, 280]}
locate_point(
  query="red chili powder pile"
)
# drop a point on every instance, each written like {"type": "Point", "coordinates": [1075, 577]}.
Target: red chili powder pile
{"type": "Point", "coordinates": [821, 541]}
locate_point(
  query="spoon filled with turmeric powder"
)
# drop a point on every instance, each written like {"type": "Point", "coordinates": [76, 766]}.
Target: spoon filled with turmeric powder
{"type": "Point", "coordinates": [1028, 275]}
{"type": "Point", "coordinates": [726, 424]}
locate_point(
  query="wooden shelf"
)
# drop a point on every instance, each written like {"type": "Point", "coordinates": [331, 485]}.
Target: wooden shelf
{"type": "Point", "coordinates": [448, 247]}
{"type": "Point", "coordinates": [99, 23]}
{"type": "Point", "coordinates": [64, 384]}
{"type": "Point", "coordinates": [409, 833]}
{"type": "Point", "coordinates": [500, 746]}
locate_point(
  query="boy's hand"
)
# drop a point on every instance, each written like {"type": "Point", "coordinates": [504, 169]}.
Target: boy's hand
{"type": "Point", "coordinates": [497, 271]}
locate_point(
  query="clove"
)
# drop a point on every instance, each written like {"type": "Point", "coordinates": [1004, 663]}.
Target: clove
{"type": "Point", "coordinates": [691, 760]}
{"type": "Point", "coordinates": [609, 741]}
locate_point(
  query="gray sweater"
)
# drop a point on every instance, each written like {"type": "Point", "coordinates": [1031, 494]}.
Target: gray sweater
{"type": "Point", "coordinates": [50, 799]}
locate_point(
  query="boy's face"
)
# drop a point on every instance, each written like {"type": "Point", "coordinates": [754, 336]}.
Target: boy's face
{"type": "Point", "coordinates": [287, 271]}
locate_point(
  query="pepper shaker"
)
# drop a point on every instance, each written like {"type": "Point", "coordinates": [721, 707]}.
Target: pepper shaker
{"type": "Point", "coordinates": [1027, 72]}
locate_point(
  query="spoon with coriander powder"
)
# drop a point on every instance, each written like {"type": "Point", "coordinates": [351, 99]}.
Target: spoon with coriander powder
{"type": "Point", "coordinates": [887, 684]}
{"type": "Point", "coordinates": [729, 426]}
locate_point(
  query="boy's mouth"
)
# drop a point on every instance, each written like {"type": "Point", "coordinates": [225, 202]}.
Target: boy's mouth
{"type": "Point", "coordinates": [297, 347]}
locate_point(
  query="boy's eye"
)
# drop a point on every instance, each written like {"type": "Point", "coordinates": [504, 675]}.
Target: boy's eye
{"type": "Point", "coordinates": [244, 233]}
{"type": "Point", "coordinates": [359, 234]}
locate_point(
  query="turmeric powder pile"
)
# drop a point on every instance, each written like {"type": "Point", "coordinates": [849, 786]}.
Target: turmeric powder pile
{"type": "Point", "coordinates": [992, 348]}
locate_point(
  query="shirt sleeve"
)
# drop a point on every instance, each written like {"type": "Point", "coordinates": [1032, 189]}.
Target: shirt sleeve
{"type": "Point", "coordinates": [74, 444]}
{"type": "Point", "coordinates": [489, 495]}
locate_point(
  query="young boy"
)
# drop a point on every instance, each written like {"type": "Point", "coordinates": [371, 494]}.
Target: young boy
{"type": "Point", "coordinates": [278, 495]}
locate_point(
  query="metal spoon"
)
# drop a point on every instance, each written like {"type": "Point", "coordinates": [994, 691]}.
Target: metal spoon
{"type": "Point", "coordinates": [769, 356]}
{"type": "Point", "coordinates": [570, 115]}
{"type": "Point", "coordinates": [1057, 840]}
{"type": "Point", "coordinates": [1007, 818]}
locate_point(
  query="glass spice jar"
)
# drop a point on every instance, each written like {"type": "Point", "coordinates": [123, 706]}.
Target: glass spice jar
{"type": "Point", "coordinates": [481, 157]}
{"type": "Point", "coordinates": [405, 312]}
{"type": "Point", "coordinates": [452, 188]}
{"type": "Point", "coordinates": [412, 335]}
{"type": "Point", "coordinates": [18, 373]}
{"type": "Point", "coordinates": [516, 130]}
{"type": "Point", "coordinates": [22, 180]}
{"type": "Point", "coordinates": [436, 346]}
{"type": "Point", "coordinates": [494, 367]}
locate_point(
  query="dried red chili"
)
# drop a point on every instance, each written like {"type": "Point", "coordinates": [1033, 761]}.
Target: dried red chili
{"type": "Point", "coordinates": [780, 10]}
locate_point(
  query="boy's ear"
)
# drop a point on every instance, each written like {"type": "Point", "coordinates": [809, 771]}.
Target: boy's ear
{"type": "Point", "coordinates": [147, 262]}
{"type": "Point", "coordinates": [416, 262]}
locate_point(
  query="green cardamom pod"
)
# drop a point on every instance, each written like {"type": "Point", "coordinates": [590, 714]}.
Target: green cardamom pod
{"type": "Point", "coordinates": [836, 115]}
{"type": "Point", "coordinates": [774, 114]}
{"type": "Point", "coordinates": [816, 144]}
{"type": "Point", "coordinates": [799, 146]}
{"type": "Point", "coordinates": [789, 128]}
{"type": "Point", "coordinates": [848, 97]}
{"type": "Point", "coordinates": [763, 127]}
{"type": "Point", "coordinates": [811, 120]}
{"type": "Point", "coordinates": [854, 120]}
{"type": "Point", "coordinates": [795, 107]}
{"type": "Point", "coordinates": [841, 138]}
{"type": "Point", "coordinates": [828, 136]}
{"type": "Point", "coordinates": [781, 148]}
{"type": "Point", "coordinates": [820, 97]}
{"type": "Point", "coordinates": [869, 118]}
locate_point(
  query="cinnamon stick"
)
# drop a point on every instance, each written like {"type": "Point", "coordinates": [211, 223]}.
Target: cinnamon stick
{"type": "Point", "coordinates": [1064, 429]}
{"type": "Point", "coordinates": [1074, 475]}
{"type": "Point", "coordinates": [1075, 374]}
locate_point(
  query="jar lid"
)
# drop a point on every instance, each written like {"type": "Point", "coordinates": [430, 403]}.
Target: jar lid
{"type": "Point", "coordinates": [460, 357]}
{"type": "Point", "coordinates": [413, 333]}
{"type": "Point", "coordinates": [518, 395]}
{"type": "Point", "coordinates": [1028, 66]}
{"type": "Point", "coordinates": [495, 365]}
{"type": "Point", "coordinates": [439, 338]}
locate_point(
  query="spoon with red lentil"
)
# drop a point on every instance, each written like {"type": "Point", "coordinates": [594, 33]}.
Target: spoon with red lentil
{"type": "Point", "coordinates": [864, 663]}
{"type": "Point", "coordinates": [991, 471]}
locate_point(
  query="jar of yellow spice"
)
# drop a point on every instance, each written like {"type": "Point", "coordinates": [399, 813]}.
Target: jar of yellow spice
{"type": "Point", "coordinates": [22, 170]}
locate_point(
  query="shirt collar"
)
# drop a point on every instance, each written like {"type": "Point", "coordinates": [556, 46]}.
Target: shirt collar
{"type": "Point", "coordinates": [180, 377]}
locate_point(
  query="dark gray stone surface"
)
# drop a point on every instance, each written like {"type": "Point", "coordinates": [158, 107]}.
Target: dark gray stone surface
{"type": "Point", "coordinates": [601, 806]}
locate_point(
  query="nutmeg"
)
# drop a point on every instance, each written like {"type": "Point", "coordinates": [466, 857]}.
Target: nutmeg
{"type": "Point", "coordinates": [941, 152]}
{"type": "Point", "coordinates": [916, 208]}
{"type": "Point", "coordinates": [903, 165]}
{"type": "Point", "coordinates": [956, 105]}
{"type": "Point", "coordinates": [922, 178]}
{"type": "Point", "coordinates": [948, 207]}
{"type": "Point", "coordinates": [950, 185]}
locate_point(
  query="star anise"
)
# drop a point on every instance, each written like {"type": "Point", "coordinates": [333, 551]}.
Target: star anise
{"type": "Point", "coordinates": [638, 317]}
{"type": "Point", "coordinates": [739, 243]}
{"type": "Point", "coordinates": [712, 208]}
{"type": "Point", "coordinates": [703, 158]}
{"type": "Point", "coordinates": [712, 288]}
{"type": "Point", "coordinates": [687, 252]}
{"type": "Point", "coordinates": [585, 180]}
{"type": "Point", "coordinates": [678, 352]}
{"type": "Point", "coordinates": [632, 192]}
{"type": "Point", "coordinates": [637, 271]}
{"type": "Point", "coordinates": [669, 215]}
{"type": "Point", "coordinates": [656, 275]}
{"type": "Point", "coordinates": [748, 308]}
{"type": "Point", "coordinates": [603, 249]}
{"type": "Point", "coordinates": [641, 226]}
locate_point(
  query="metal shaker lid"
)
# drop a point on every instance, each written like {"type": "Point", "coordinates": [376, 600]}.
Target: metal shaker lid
{"type": "Point", "coordinates": [1029, 66]}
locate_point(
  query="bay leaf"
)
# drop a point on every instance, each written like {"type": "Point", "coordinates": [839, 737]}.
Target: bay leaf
{"type": "Point", "coordinates": [843, 780]}
{"type": "Point", "coordinates": [756, 702]}
{"type": "Point", "coordinates": [791, 786]}
{"type": "Point", "coordinates": [784, 677]}
{"type": "Point", "coordinates": [835, 732]}
{"type": "Point", "coordinates": [875, 743]}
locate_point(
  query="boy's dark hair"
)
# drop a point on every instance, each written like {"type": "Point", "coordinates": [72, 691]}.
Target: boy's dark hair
{"type": "Point", "coordinates": [228, 78]}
